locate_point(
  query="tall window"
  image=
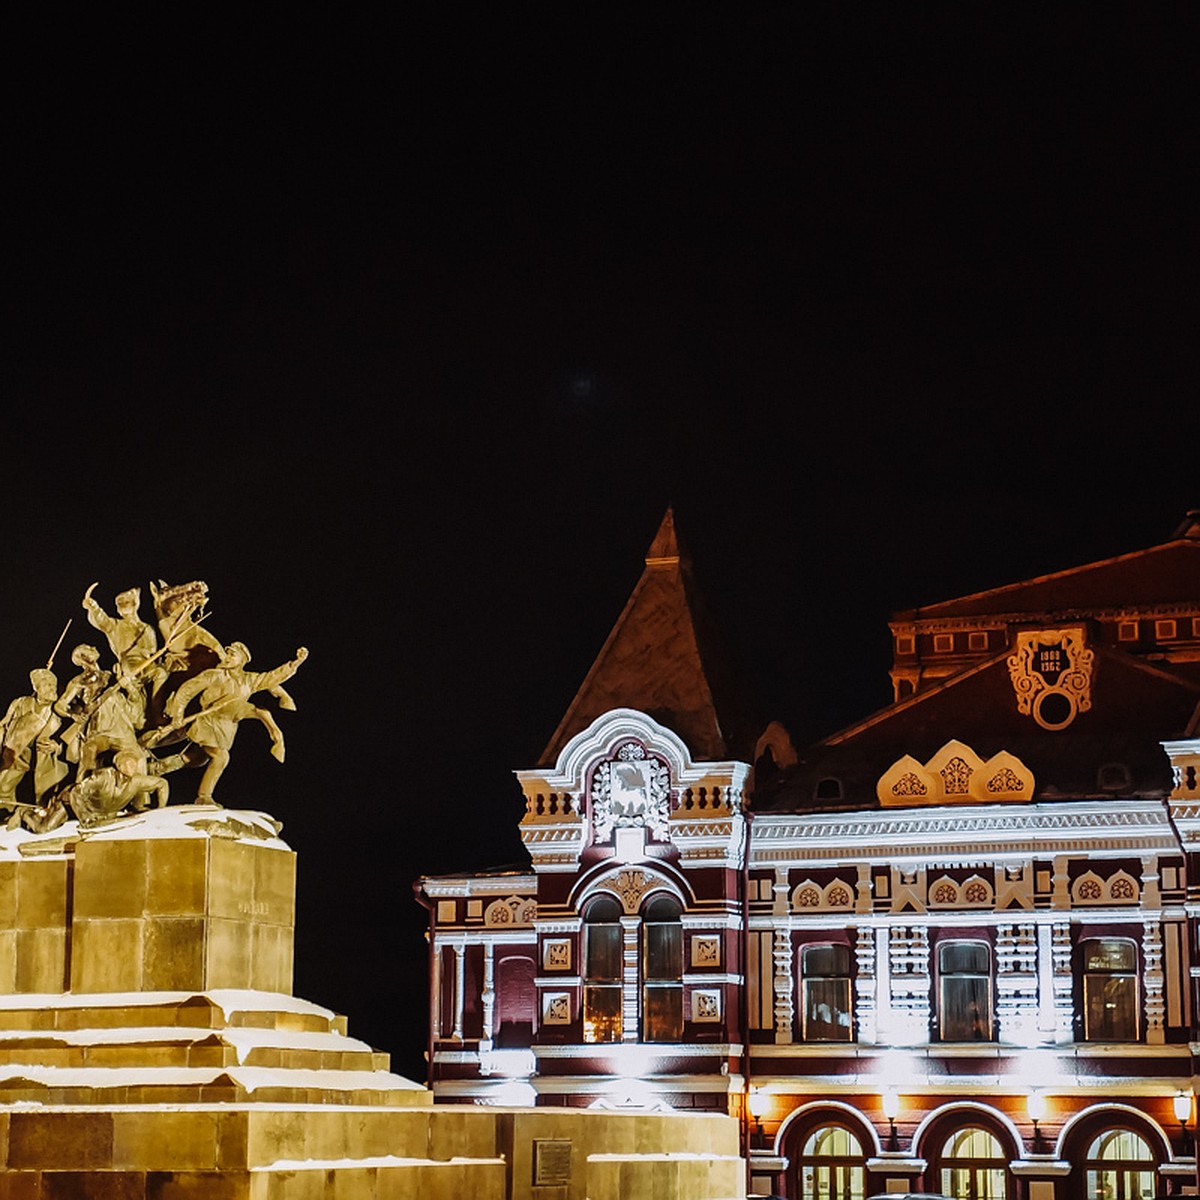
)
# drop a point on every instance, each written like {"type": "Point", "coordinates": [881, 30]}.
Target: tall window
{"type": "Point", "coordinates": [965, 992]}
{"type": "Point", "coordinates": [832, 1165]}
{"type": "Point", "coordinates": [974, 1166]}
{"type": "Point", "coordinates": [1110, 990]}
{"type": "Point", "coordinates": [825, 994]}
{"type": "Point", "coordinates": [602, 971]}
{"type": "Point", "coordinates": [662, 971]}
{"type": "Point", "coordinates": [1120, 1167]}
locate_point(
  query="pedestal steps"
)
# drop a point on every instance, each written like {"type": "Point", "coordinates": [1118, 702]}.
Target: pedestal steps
{"type": "Point", "coordinates": [257, 1152]}
{"type": "Point", "coordinates": [188, 1048]}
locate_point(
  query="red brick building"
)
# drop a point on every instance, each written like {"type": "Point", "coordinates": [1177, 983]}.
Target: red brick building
{"type": "Point", "coordinates": [947, 949]}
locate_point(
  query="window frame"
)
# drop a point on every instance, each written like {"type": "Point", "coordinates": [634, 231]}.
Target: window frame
{"type": "Point", "coordinates": [665, 986]}
{"type": "Point", "coordinates": [602, 1025]}
{"type": "Point", "coordinates": [810, 980]}
{"type": "Point", "coordinates": [944, 978]}
{"type": "Point", "coordinates": [1131, 977]}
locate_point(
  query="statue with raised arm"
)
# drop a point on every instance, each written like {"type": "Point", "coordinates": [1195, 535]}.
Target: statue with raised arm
{"type": "Point", "coordinates": [130, 639]}
{"type": "Point", "coordinates": [28, 727]}
{"type": "Point", "coordinates": [224, 693]}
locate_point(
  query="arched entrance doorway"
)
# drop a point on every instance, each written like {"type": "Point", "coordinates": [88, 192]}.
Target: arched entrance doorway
{"type": "Point", "coordinates": [827, 1160]}
{"type": "Point", "coordinates": [1119, 1165]}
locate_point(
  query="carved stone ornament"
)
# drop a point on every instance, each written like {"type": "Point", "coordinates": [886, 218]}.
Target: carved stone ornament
{"type": "Point", "coordinates": [955, 775]}
{"type": "Point", "coordinates": [1051, 671]}
{"type": "Point", "coordinates": [629, 886]}
{"type": "Point", "coordinates": [631, 789]}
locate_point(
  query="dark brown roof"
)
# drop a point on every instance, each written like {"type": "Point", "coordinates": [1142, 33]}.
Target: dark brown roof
{"type": "Point", "coordinates": [1135, 703]}
{"type": "Point", "coordinates": [665, 658]}
{"type": "Point", "coordinates": [1134, 706]}
{"type": "Point", "coordinates": [1163, 574]}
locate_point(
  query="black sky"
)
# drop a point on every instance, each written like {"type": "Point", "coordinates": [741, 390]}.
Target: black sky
{"type": "Point", "coordinates": [403, 332]}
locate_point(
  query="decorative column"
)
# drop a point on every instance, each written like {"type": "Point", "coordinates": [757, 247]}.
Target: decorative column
{"type": "Point", "coordinates": [630, 927]}
{"type": "Point", "coordinates": [865, 984]}
{"type": "Point", "coordinates": [909, 954]}
{"type": "Point", "coordinates": [489, 994]}
{"type": "Point", "coordinates": [1152, 956]}
{"type": "Point", "coordinates": [460, 985]}
{"type": "Point", "coordinates": [1061, 895]}
{"type": "Point", "coordinates": [1064, 984]}
{"type": "Point", "coordinates": [784, 985]}
{"type": "Point", "coordinates": [1017, 984]}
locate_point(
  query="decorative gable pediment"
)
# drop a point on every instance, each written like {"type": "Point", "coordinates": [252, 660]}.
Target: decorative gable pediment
{"type": "Point", "coordinates": [955, 775]}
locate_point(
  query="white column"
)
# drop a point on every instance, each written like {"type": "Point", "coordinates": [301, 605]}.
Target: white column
{"type": "Point", "coordinates": [784, 987]}
{"type": "Point", "coordinates": [864, 984]}
{"type": "Point", "coordinates": [1152, 956]}
{"type": "Point", "coordinates": [630, 928]}
{"type": "Point", "coordinates": [489, 994]}
{"type": "Point", "coordinates": [460, 984]}
{"type": "Point", "coordinates": [1064, 984]}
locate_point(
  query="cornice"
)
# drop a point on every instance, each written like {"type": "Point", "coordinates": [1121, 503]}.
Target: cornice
{"type": "Point", "coordinates": [992, 832]}
{"type": "Point", "coordinates": [1044, 617]}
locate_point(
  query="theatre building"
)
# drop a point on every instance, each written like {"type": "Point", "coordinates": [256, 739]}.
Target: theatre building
{"type": "Point", "coordinates": [948, 949]}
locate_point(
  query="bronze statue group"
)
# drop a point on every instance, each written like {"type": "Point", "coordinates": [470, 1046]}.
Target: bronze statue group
{"type": "Point", "coordinates": [92, 748]}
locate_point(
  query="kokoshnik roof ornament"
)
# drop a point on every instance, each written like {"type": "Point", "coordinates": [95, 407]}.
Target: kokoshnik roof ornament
{"type": "Point", "coordinates": [104, 744]}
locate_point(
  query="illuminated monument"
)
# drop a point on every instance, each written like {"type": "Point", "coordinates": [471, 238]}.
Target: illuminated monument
{"type": "Point", "coordinates": [951, 948]}
{"type": "Point", "coordinates": [150, 1044]}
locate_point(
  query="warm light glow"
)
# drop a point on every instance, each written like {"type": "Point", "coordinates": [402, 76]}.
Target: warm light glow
{"type": "Point", "coordinates": [1037, 1105]}
{"type": "Point", "coordinates": [891, 1104]}
{"type": "Point", "coordinates": [757, 1103]}
{"type": "Point", "coordinates": [1183, 1107]}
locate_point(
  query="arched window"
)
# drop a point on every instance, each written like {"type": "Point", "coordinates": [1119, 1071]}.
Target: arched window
{"type": "Point", "coordinates": [1110, 990]}
{"type": "Point", "coordinates": [825, 994]}
{"type": "Point", "coordinates": [602, 970]}
{"type": "Point", "coordinates": [974, 1166]}
{"type": "Point", "coordinates": [662, 971]}
{"type": "Point", "coordinates": [1120, 1167]}
{"type": "Point", "coordinates": [964, 992]}
{"type": "Point", "coordinates": [832, 1165]}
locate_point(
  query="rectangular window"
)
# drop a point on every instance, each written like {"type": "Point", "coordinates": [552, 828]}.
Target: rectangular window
{"type": "Point", "coordinates": [965, 992]}
{"type": "Point", "coordinates": [1164, 630]}
{"type": "Point", "coordinates": [906, 644]}
{"type": "Point", "coordinates": [943, 643]}
{"type": "Point", "coordinates": [602, 993]}
{"type": "Point", "coordinates": [1196, 627]}
{"type": "Point", "coordinates": [1127, 631]}
{"type": "Point", "coordinates": [662, 976]}
{"type": "Point", "coordinates": [978, 641]}
{"type": "Point", "coordinates": [825, 994]}
{"type": "Point", "coordinates": [1110, 990]}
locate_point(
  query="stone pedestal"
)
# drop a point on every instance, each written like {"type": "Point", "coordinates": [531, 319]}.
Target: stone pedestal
{"type": "Point", "coordinates": [210, 904]}
{"type": "Point", "coordinates": [151, 1049]}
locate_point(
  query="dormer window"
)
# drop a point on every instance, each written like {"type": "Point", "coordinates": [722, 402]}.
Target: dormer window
{"type": "Point", "coordinates": [1113, 777]}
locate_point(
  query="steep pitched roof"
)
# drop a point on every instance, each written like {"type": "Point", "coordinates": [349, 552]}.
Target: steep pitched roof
{"type": "Point", "coordinates": [665, 658]}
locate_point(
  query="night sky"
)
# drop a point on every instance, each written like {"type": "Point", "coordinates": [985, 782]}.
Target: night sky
{"type": "Point", "coordinates": [403, 333]}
